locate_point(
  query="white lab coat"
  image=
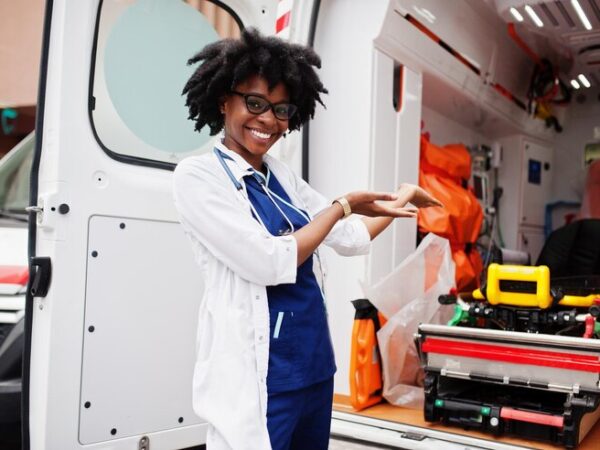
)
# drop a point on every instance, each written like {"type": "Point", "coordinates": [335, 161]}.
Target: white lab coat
{"type": "Point", "coordinates": [239, 258]}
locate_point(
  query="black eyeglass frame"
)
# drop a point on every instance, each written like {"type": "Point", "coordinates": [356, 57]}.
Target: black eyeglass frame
{"type": "Point", "coordinates": [291, 107]}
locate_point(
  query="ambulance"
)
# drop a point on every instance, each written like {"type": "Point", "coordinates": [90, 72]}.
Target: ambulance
{"type": "Point", "coordinates": [112, 301]}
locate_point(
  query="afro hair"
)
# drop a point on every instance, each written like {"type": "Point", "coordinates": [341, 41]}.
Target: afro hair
{"type": "Point", "coordinates": [228, 62]}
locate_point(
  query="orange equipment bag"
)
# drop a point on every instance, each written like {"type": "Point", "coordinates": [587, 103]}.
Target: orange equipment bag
{"type": "Point", "coordinates": [443, 172]}
{"type": "Point", "coordinates": [365, 361]}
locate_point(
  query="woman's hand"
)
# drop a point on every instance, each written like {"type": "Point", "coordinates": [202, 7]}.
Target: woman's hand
{"type": "Point", "coordinates": [377, 204]}
{"type": "Point", "coordinates": [417, 196]}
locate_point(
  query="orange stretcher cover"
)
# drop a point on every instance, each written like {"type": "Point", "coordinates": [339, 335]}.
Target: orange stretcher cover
{"type": "Point", "coordinates": [443, 172]}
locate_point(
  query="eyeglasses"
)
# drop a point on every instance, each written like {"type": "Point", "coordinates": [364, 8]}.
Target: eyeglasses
{"type": "Point", "coordinates": [259, 105]}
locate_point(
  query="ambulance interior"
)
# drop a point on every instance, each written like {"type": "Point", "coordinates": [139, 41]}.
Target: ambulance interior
{"type": "Point", "coordinates": [463, 77]}
{"type": "Point", "coordinates": [411, 83]}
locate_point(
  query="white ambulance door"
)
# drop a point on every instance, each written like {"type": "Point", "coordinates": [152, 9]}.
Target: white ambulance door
{"type": "Point", "coordinates": [114, 291]}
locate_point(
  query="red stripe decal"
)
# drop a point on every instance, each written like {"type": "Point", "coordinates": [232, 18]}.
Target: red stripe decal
{"type": "Point", "coordinates": [532, 417]}
{"type": "Point", "coordinates": [434, 37]}
{"type": "Point", "coordinates": [515, 355]}
{"type": "Point", "coordinates": [509, 95]}
{"type": "Point", "coordinates": [283, 22]}
{"type": "Point", "coordinates": [14, 275]}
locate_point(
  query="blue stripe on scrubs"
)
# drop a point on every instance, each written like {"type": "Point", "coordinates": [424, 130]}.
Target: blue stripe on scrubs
{"type": "Point", "coordinates": [301, 353]}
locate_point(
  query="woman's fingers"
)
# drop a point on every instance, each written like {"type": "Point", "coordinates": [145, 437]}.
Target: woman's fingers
{"type": "Point", "coordinates": [358, 200]}
{"type": "Point", "coordinates": [435, 202]}
{"type": "Point", "coordinates": [375, 196]}
{"type": "Point", "coordinates": [423, 199]}
{"type": "Point", "coordinates": [402, 212]}
{"type": "Point", "coordinates": [381, 203]}
{"type": "Point", "coordinates": [390, 211]}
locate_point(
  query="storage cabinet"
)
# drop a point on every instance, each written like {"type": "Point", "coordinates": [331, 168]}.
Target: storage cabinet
{"type": "Point", "coordinates": [526, 178]}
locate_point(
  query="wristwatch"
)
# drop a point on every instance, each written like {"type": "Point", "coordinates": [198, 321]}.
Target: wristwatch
{"type": "Point", "coordinates": [345, 206]}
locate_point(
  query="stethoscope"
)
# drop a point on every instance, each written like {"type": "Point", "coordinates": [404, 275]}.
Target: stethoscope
{"type": "Point", "coordinates": [263, 181]}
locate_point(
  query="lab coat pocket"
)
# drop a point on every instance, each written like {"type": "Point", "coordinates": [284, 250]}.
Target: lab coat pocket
{"type": "Point", "coordinates": [283, 337]}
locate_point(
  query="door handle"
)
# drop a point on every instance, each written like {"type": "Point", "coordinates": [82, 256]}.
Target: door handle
{"type": "Point", "coordinates": [41, 268]}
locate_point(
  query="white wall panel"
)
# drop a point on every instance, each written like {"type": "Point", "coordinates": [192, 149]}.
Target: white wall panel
{"type": "Point", "coordinates": [340, 138]}
{"type": "Point", "coordinates": [395, 156]}
{"type": "Point", "coordinates": [443, 130]}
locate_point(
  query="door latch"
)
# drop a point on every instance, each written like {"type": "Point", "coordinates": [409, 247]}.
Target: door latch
{"type": "Point", "coordinates": [144, 443]}
{"type": "Point", "coordinates": [35, 209]}
{"type": "Point", "coordinates": [40, 269]}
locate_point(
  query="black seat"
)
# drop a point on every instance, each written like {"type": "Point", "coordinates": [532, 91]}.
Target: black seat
{"type": "Point", "coordinates": [573, 250]}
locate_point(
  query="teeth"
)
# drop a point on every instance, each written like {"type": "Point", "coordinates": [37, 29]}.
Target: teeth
{"type": "Point", "coordinates": [260, 135]}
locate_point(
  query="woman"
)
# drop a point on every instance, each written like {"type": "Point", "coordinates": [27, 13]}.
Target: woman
{"type": "Point", "coordinates": [264, 366]}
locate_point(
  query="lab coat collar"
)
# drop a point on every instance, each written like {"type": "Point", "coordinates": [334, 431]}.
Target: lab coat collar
{"type": "Point", "coordinates": [239, 167]}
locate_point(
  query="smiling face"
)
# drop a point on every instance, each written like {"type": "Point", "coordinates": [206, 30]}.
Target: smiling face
{"type": "Point", "coordinates": [252, 135]}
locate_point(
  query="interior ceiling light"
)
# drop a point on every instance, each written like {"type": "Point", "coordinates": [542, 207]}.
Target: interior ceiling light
{"type": "Point", "coordinates": [584, 80]}
{"type": "Point", "coordinates": [579, 10]}
{"type": "Point", "coordinates": [516, 14]}
{"type": "Point", "coordinates": [536, 19]}
{"type": "Point", "coordinates": [425, 13]}
{"type": "Point", "coordinates": [575, 84]}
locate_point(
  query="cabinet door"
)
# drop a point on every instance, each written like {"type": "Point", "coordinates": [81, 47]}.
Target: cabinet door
{"type": "Point", "coordinates": [536, 182]}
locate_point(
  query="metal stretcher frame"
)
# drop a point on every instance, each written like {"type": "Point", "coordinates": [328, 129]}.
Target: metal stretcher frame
{"type": "Point", "coordinates": [570, 364]}
{"type": "Point", "coordinates": [523, 364]}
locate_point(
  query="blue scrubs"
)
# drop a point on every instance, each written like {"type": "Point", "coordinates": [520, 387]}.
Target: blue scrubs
{"type": "Point", "coordinates": [301, 360]}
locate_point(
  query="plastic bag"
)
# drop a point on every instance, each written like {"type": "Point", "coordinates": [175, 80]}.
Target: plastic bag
{"type": "Point", "coordinates": [408, 297]}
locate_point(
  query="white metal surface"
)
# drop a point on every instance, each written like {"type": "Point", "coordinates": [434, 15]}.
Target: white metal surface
{"type": "Point", "coordinates": [522, 205]}
{"type": "Point", "coordinates": [512, 336]}
{"type": "Point", "coordinates": [451, 87]}
{"type": "Point", "coordinates": [536, 196]}
{"type": "Point", "coordinates": [138, 360]}
{"type": "Point", "coordinates": [560, 380]}
{"type": "Point", "coordinates": [394, 155]}
{"type": "Point", "coordinates": [445, 21]}
{"type": "Point", "coordinates": [340, 145]}
{"type": "Point", "coordinates": [402, 435]}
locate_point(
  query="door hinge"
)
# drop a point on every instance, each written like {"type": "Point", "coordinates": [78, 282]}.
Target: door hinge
{"type": "Point", "coordinates": [40, 270]}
